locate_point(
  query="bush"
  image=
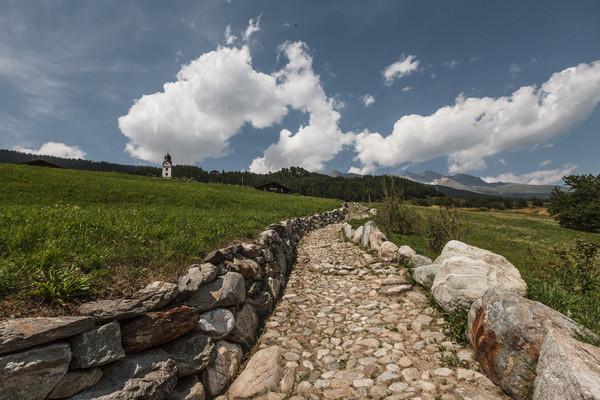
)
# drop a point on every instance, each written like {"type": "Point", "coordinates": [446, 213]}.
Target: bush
{"type": "Point", "coordinates": [393, 215]}
{"type": "Point", "coordinates": [579, 206]}
{"type": "Point", "coordinates": [521, 203]}
{"type": "Point", "coordinates": [578, 267]}
{"type": "Point", "coordinates": [443, 227]}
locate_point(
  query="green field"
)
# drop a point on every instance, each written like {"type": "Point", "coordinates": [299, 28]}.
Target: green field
{"type": "Point", "coordinates": [65, 233]}
{"type": "Point", "coordinates": [531, 243]}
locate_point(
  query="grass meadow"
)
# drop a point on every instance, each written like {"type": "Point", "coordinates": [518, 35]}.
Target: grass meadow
{"type": "Point", "coordinates": [67, 234]}
{"type": "Point", "coordinates": [533, 243]}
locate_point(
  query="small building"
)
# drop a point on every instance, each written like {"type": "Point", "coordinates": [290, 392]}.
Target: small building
{"type": "Point", "coordinates": [39, 162]}
{"type": "Point", "coordinates": [274, 187]}
{"type": "Point", "coordinates": [167, 170]}
{"type": "Point", "coordinates": [214, 172]}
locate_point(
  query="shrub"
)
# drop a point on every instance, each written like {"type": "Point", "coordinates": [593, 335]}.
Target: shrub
{"type": "Point", "coordinates": [578, 267]}
{"type": "Point", "coordinates": [443, 227]}
{"type": "Point", "coordinates": [60, 284]}
{"type": "Point", "coordinates": [393, 215]}
{"type": "Point", "coordinates": [521, 203]}
{"type": "Point", "coordinates": [579, 207]}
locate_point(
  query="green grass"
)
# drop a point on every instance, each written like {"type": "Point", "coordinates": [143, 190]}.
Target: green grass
{"type": "Point", "coordinates": [115, 232]}
{"type": "Point", "coordinates": [530, 243]}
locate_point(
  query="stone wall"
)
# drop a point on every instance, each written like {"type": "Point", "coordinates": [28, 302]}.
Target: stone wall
{"type": "Point", "coordinates": [174, 341]}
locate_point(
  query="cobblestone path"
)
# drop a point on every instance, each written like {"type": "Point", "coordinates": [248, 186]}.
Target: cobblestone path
{"type": "Point", "coordinates": [343, 338]}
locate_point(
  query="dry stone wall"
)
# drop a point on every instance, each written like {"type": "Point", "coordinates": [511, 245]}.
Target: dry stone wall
{"type": "Point", "coordinates": [180, 340]}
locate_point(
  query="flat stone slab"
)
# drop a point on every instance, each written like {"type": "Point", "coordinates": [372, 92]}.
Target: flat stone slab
{"type": "Point", "coordinates": [111, 310]}
{"type": "Point", "coordinates": [32, 374]}
{"type": "Point", "coordinates": [21, 333]}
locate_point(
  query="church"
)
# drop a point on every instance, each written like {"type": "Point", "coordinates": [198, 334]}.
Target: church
{"type": "Point", "coordinates": [167, 170]}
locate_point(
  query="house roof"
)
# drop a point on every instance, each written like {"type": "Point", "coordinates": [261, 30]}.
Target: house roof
{"type": "Point", "coordinates": [39, 162]}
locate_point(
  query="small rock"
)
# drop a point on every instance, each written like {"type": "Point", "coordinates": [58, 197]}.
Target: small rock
{"type": "Point", "coordinates": [192, 353]}
{"type": "Point", "coordinates": [196, 276]}
{"type": "Point", "coordinates": [216, 324]}
{"type": "Point", "coordinates": [158, 294]}
{"type": "Point", "coordinates": [187, 388]}
{"type": "Point", "coordinates": [218, 374]}
{"type": "Point", "coordinates": [74, 382]}
{"type": "Point", "coordinates": [418, 260]}
{"type": "Point", "coordinates": [246, 323]}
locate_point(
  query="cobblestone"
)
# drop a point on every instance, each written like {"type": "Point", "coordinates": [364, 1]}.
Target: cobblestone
{"type": "Point", "coordinates": [345, 338]}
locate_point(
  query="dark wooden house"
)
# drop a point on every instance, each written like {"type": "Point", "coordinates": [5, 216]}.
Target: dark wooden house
{"type": "Point", "coordinates": [38, 162]}
{"type": "Point", "coordinates": [274, 187]}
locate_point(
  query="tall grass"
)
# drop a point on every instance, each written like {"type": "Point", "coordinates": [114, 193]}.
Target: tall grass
{"type": "Point", "coordinates": [106, 234]}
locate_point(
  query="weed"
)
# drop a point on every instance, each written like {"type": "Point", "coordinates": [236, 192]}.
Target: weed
{"type": "Point", "coordinates": [58, 285]}
{"type": "Point", "coordinates": [443, 227]}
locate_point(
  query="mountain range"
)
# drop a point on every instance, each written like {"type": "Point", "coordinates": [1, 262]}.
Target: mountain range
{"type": "Point", "coordinates": [464, 185]}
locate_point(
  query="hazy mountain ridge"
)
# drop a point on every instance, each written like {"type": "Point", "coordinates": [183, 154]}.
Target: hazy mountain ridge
{"type": "Point", "coordinates": [475, 184]}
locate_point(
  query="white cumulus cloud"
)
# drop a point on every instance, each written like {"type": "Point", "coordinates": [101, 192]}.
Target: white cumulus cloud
{"type": "Point", "coordinates": [253, 27]}
{"type": "Point", "coordinates": [229, 37]}
{"type": "Point", "coordinates": [403, 67]}
{"type": "Point", "coordinates": [475, 128]}
{"type": "Point", "coordinates": [321, 139]}
{"type": "Point", "coordinates": [368, 100]}
{"type": "Point", "coordinates": [54, 149]}
{"type": "Point", "coordinates": [543, 177]}
{"type": "Point", "coordinates": [218, 93]}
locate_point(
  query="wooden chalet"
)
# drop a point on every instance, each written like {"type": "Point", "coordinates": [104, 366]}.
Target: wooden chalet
{"type": "Point", "coordinates": [274, 187]}
{"type": "Point", "coordinates": [39, 162]}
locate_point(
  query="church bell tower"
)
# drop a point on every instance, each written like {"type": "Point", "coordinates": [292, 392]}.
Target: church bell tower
{"type": "Point", "coordinates": [167, 167]}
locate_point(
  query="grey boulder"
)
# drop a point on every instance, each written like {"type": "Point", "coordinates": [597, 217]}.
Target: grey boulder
{"type": "Point", "coordinates": [507, 332]}
{"type": "Point", "coordinates": [246, 323]}
{"type": "Point", "coordinates": [196, 276]}
{"type": "Point", "coordinates": [158, 294]}
{"type": "Point", "coordinates": [227, 361]}
{"type": "Point", "coordinates": [192, 353]}
{"type": "Point", "coordinates": [567, 369]}
{"type": "Point", "coordinates": [216, 324]}
{"type": "Point", "coordinates": [97, 347]}
{"type": "Point", "coordinates": [74, 382]}
{"type": "Point", "coordinates": [227, 290]}
{"type": "Point", "coordinates": [148, 375]}
{"type": "Point", "coordinates": [33, 374]}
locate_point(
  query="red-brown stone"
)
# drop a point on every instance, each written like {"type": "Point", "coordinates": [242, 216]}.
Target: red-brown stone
{"type": "Point", "coordinates": [157, 328]}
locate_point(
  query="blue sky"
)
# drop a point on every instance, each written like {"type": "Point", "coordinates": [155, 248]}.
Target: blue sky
{"type": "Point", "coordinates": [506, 90]}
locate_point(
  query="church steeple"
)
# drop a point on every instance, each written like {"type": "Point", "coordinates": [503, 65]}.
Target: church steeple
{"type": "Point", "coordinates": [167, 166]}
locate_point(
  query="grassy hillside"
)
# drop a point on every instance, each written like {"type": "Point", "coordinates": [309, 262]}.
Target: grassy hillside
{"type": "Point", "coordinates": [533, 243]}
{"type": "Point", "coordinates": [64, 232]}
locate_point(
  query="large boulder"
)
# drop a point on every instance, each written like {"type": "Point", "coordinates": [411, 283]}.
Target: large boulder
{"type": "Point", "coordinates": [33, 374]}
{"type": "Point", "coordinates": [466, 272]}
{"type": "Point", "coordinates": [348, 231]}
{"type": "Point", "coordinates": [227, 290]}
{"type": "Point", "coordinates": [157, 328]}
{"type": "Point", "coordinates": [21, 333]}
{"type": "Point", "coordinates": [247, 267]}
{"type": "Point", "coordinates": [216, 324]}
{"type": "Point", "coordinates": [507, 332]}
{"type": "Point", "coordinates": [262, 375]}
{"type": "Point", "coordinates": [192, 353]}
{"type": "Point", "coordinates": [148, 375]}
{"type": "Point", "coordinates": [97, 347]}
{"type": "Point", "coordinates": [567, 369]}
{"type": "Point", "coordinates": [227, 361]}
{"type": "Point", "coordinates": [387, 251]}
